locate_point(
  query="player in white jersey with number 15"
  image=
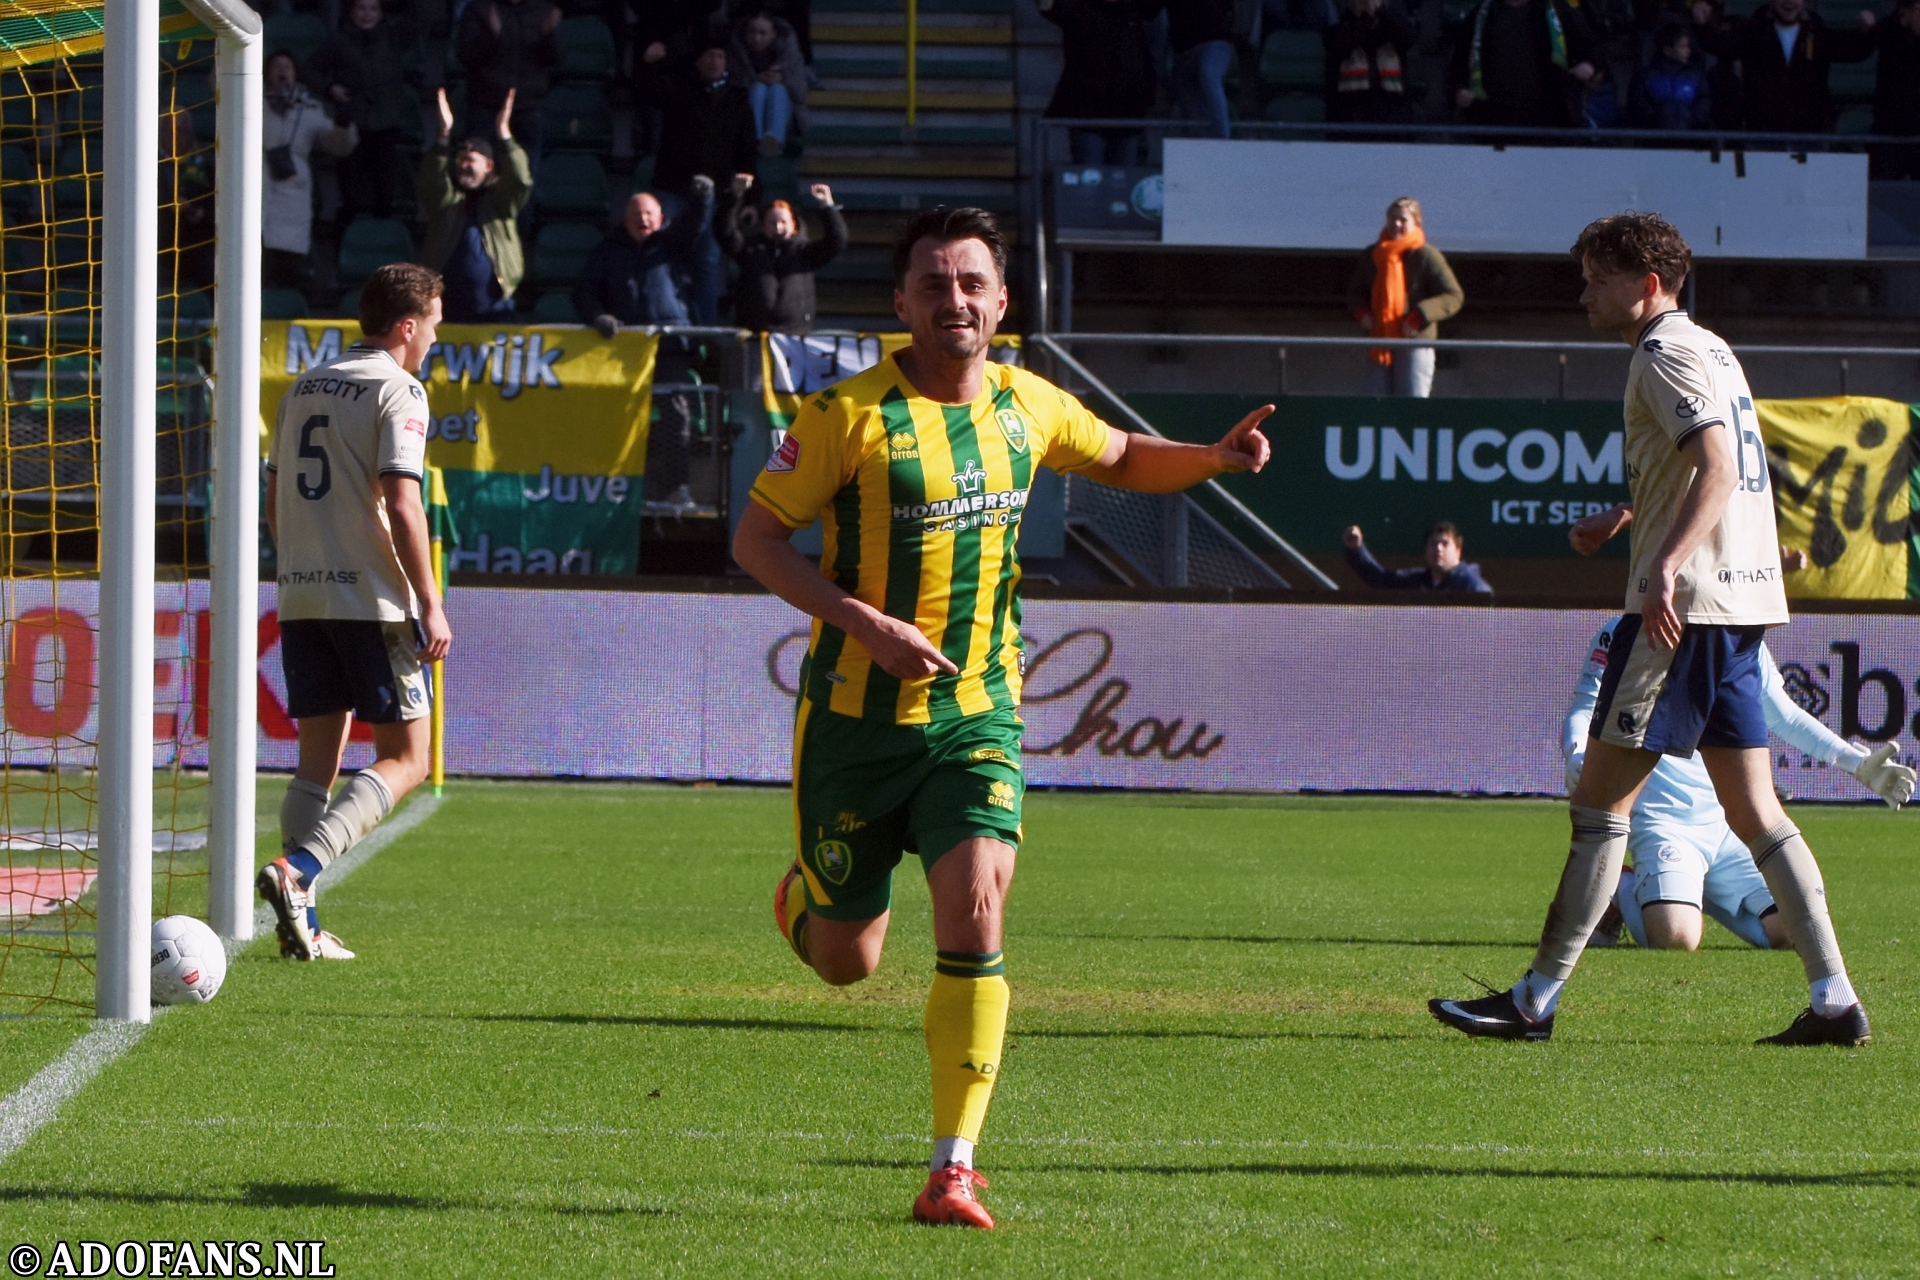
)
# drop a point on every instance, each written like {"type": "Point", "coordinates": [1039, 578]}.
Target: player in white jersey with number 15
{"type": "Point", "coordinates": [359, 612]}
{"type": "Point", "coordinates": [1683, 669]}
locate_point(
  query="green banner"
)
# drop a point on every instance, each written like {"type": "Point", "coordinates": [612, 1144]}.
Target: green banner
{"type": "Point", "coordinates": [542, 434]}
{"type": "Point", "coordinates": [1512, 474]}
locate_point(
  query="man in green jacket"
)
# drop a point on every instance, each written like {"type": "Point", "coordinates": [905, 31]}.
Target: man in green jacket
{"type": "Point", "coordinates": [472, 197]}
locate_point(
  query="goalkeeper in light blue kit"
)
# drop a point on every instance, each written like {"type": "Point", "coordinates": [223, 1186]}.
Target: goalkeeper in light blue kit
{"type": "Point", "coordinates": [1686, 860]}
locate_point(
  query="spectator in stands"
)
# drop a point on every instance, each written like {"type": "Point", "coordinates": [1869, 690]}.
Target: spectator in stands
{"type": "Point", "coordinates": [797, 14]}
{"type": "Point", "coordinates": [294, 124]}
{"type": "Point", "coordinates": [1443, 572]}
{"type": "Point", "coordinates": [369, 72]}
{"type": "Point", "coordinates": [632, 277]}
{"type": "Point", "coordinates": [1671, 90]}
{"type": "Point", "coordinates": [1896, 93]}
{"type": "Point", "coordinates": [765, 56]}
{"type": "Point", "coordinates": [1718, 36]}
{"type": "Point", "coordinates": [471, 199]}
{"type": "Point", "coordinates": [508, 48]}
{"type": "Point", "coordinates": [1785, 51]}
{"type": "Point", "coordinates": [1367, 62]}
{"type": "Point", "coordinates": [706, 127]}
{"type": "Point", "coordinates": [775, 290]}
{"type": "Point", "coordinates": [1524, 63]}
{"type": "Point", "coordinates": [1106, 74]}
{"type": "Point", "coordinates": [1403, 288]}
{"type": "Point", "coordinates": [1201, 35]}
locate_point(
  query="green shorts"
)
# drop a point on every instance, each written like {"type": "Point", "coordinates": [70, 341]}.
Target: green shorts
{"type": "Point", "coordinates": [865, 791]}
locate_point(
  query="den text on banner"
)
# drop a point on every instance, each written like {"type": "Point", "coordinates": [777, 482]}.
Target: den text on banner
{"type": "Point", "coordinates": [542, 433]}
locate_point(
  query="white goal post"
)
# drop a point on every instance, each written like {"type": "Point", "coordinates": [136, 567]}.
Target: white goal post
{"type": "Point", "coordinates": [127, 488]}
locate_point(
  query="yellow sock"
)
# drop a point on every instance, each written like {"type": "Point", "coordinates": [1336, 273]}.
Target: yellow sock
{"type": "Point", "coordinates": [966, 1025]}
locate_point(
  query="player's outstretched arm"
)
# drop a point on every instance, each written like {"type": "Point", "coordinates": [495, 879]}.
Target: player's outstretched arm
{"type": "Point", "coordinates": [1150, 464]}
{"type": "Point", "coordinates": [763, 546]}
{"type": "Point", "coordinates": [414, 547]}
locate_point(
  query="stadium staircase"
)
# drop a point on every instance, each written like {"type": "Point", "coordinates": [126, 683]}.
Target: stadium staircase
{"type": "Point", "coordinates": [960, 150]}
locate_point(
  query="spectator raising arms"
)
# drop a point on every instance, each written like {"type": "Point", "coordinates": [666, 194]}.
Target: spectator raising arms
{"type": "Point", "coordinates": [295, 123]}
{"type": "Point", "coordinates": [1106, 74]}
{"type": "Point", "coordinates": [369, 72]}
{"type": "Point", "coordinates": [706, 127]}
{"type": "Point", "coordinates": [1523, 63]}
{"type": "Point", "coordinates": [1201, 33]}
{"type": "Point", "coordinates": [1403, 288]}
{"type": "Point", "coordinates": [1896, 93]}
{"type": "Point", "coordinates": [1671, 91]}
{"type": "Point", "coordinates": [765, 56]}
{"type": "Point", "coordinates": [1443, 571]}
{"type": "Point", "coordinates": [632, 277]}
{"type": "Point", "coordinates": [1366, 63]}
{"type": "Point", "coordinates": [775, 291]}
{"type": "Point", "coordinates": [1785, 51]}
{"type": "Point", "coordinates": [471, 199]}
{"type": "Point", "coordinates": [508, 50]}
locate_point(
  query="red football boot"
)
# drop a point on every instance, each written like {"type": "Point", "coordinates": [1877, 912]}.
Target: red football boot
{"type": "Point", "coordinates": [947, 1200]}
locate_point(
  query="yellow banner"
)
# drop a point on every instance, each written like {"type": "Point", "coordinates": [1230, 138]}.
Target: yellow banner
{"type": "Point", "coordinates": [1842, 470]}
{"type": "Point", "coordinates": [505, 399]}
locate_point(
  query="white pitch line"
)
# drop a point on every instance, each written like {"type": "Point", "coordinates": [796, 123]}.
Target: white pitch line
{"type": "Point", "coordinates": [33, 1106]}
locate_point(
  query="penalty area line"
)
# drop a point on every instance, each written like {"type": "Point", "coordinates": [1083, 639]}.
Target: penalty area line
{"type": "Point", "coordinates": [35, 1104]}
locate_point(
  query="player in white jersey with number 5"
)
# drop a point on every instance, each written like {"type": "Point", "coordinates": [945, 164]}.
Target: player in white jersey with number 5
{"type": "Point", "coordinates": [359, 612]}
{"type": "Point", "coordinates": [1687, 863]}
{"type": "Point", "coordinates": [1683, 668]}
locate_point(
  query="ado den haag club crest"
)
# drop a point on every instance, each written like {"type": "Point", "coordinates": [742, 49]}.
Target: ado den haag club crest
{"type": "Point", "coordinates": [1014, 427]}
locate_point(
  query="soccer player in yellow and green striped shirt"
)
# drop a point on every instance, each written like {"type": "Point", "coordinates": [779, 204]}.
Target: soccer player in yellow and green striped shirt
{"type": "Point", "coordinates": [907, 735]}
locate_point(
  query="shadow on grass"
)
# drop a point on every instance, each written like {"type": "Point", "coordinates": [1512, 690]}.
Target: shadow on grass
{"type": "Point", "coordinates": [707, 1024]}
{"type": "Point", "coordinates": [1887, 1178]}
{"type": "Point", "coordinates": [1272, 940]}
{"type": "Point", "coordinates": [305, 1195]}
{"type": "Point", "coordinates": [848, 1162]}
{"type": "Point", "coordinates": [1150, 1033]}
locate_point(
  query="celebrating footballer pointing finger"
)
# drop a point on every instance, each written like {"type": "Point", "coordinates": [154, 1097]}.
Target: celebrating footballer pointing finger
{"type": "Point", "coordinates": [907, 738]}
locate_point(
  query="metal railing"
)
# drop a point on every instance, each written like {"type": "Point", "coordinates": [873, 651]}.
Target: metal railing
{"type": "Point", "coordinates": [1281, 343]}
{"type": "Point", "coordinates": [1238, 511]}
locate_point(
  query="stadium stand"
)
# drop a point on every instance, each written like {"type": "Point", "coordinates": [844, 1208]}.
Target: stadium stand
{"type": "Point", "coordinates": [373, 242]}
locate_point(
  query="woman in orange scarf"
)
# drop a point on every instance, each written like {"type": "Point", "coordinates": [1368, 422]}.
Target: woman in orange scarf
{"type": "Point", "coordinates": [1403, 288]}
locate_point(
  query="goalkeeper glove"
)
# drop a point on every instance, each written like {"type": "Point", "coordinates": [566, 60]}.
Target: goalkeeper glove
{"type": "Point", "coordinates": [1880, 773]}
{"type": "Point", "coordinates": [1575, 763]}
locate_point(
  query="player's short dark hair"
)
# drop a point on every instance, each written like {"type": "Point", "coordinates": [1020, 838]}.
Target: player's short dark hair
{"type": "Point", "coordinates": [1638, 243]}
{"type": "Point", "coordinates": [1448, 529]}
{"type": "Point", "coordinates": [948, 225]}
{"type": "Point", "coordinates": [394, 292]}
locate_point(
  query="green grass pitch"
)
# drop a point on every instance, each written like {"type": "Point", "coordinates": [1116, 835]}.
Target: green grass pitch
{"type": "Point", "coordinates": [574, 1046]}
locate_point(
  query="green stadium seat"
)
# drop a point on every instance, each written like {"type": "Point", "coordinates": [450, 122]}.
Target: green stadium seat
{"type": "Point", "coordinates": [283, 304]}
{"type": "Point", "coordinates": [348, 308]}
{"type": "Point", "coordinates": [16, 173]}
{"type": "Point", "coordinates": [571, 184]}
{"type": "Point", "coordinates": [586, 49]}
{"type": "Point", "coordinates": [16, 108]}
{"type": "Point", "coordinates": [77, 183]}
{"type": "Point", "coordinates": [561, 251]}
{"type": "Point", "coordinates": [371, 243]}
{"type": "Point", "coordinates": [1852, 82]}
{"type": "Point", "coordinates": [576, 117]}
{"type": "Point", "coordinates": [196, 304]}
{"type": "Point", "coordinates": [1297, 108]}
{"type": "Point", "coordinates": [1293, 60]}
{"type": "Point", "coordinates": [1854, 120]}
{"type": "Point", "coordinates": [300, 34]}
{"type": "Point", "coordinates": [555, 307]}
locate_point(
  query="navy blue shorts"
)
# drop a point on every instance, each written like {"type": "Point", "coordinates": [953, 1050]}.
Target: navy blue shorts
{"type": "Point", "coordinates": [1705, 693]}
{"type": "Point", "coordinates": [368, 668]}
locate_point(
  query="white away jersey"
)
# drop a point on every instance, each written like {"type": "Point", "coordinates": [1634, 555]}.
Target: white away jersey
{"type": "Point", "coordinates": [1683, 380]}
{"type": "Point", "coordinates": [341, 426]}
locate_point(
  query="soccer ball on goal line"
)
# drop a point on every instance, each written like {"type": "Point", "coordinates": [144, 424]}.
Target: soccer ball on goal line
{"type": "Point", "coordinates": [189, 961]}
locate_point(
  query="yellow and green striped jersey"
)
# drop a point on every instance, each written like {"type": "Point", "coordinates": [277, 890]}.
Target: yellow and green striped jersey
{"type": "Point", "coordinates": [922, 503]}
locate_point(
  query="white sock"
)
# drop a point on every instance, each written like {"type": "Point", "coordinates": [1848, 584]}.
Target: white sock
{"type": "Point", "coordinates": [1537, 997]}
{"type": "Point", "coordinates": [1833, 996]}
{"type": "Point", "coordinates": [948, 1151]}
{"type": "Point", "coordinates": [301, 809]}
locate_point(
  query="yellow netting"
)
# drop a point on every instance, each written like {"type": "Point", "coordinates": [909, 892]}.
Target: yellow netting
{"type": "Point", "coordinates": [50, 223]}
